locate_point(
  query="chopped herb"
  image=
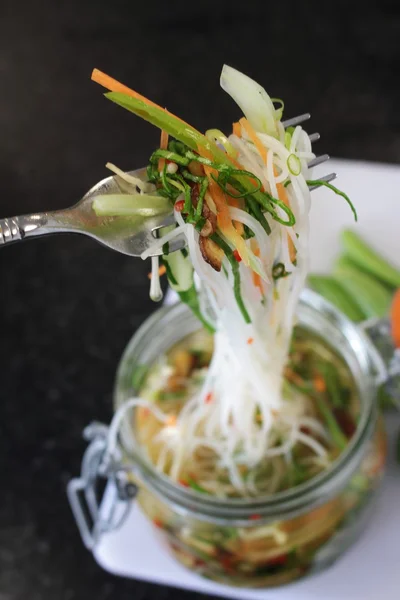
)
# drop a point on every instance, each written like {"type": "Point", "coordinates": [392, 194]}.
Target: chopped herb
{"type": "Point", "coordinates": [320, 182]}
{"type": "Point", "coordinates": [279, 271]}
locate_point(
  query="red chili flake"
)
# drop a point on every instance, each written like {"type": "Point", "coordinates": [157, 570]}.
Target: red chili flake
{"type": "Point", "coordinates": [226, 562]}
{"type": "Point", "coordinates": [250, 340]}
{"type": "Point", "coordinates": [254, 517]}
{"type": "Point", "coordinates": [158, 523]}
{"type": "Point", "coordinates": [183, 482]}
{"type": "Point", "coordinates": [237, 255]}
{"type": "Point", "coordinates": [209, 398]}
{"type": "Point", "coordinates": [179, 205]}
{"type": "Point", "coordinates": [277, 560]}
{"type": "Point", "coordinates": [199, 563]}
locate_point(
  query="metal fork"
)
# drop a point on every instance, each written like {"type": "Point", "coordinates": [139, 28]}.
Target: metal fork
{"type": "Point", "coordinates": [122, 233]}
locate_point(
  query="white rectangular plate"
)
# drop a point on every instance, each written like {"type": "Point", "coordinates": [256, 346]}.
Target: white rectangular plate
{"type": "Point", "coordinates": [371, 569]}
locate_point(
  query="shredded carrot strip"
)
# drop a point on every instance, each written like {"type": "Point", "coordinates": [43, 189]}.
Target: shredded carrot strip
{"type": "Point", "coordinates": [237, 204]}
{"type": "Point", "coordinates": [209, 398]}
{"type": "Point", "coordinates": [163, 145]}
{"type": "Point", "coordinates": [254, 138]}
{"type": "Point", "coordinates": [250, 340]}
{"type": "Point", "coordinates": [161, 271]}
{"type": "Point", "coordinates": [255, 276]}
{"type": "Point", "coordinates": [395, 318]}
{"type": "Point", "coordinates": [223, 217]}
{"type": "Point", "coordinates": [115, 86]}
{"type": "Point", "coordinates": [319, 384]}
{"type": "Point", "coordinates": [237, 129]}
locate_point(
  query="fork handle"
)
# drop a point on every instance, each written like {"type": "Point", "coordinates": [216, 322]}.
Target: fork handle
{"type": "Point", "coordinates": [16, 229]}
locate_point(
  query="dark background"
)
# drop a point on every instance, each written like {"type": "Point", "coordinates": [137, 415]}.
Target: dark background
{"type": "Point", "coordinates": [70, 306]}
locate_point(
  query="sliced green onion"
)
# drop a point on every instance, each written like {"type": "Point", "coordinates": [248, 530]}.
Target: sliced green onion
{"type": "Point", "coordinates": [190, 297]}
{"type": "Point", "coordinates": [279, 271]}
{"type": "Point", "coordinates": [225, 176]}
{"type": "Point", "coordinates": [278, 111]}
{"type": "Point", "coordinates": [179, 186]}
{"type": "Point", "coordinates": [288, 139]}
{"type": "Point", "coordinates": [294, 164]}
{"type": "Point", "coordinates": [135, 205]}
{"type": "Point", "coordinates": [220, 138]}
{"type": "Point", "coordinates": [236, 274]}
{"type": "Point", "coordinates": [195, 178]}
{"type": "Point", "coordinates": [200, 224]}
{"type": "Point", "coordinates": [168, 155]}
{"type": "Point", "coordinates": [291, 218]}
{"type": "Point", "coordinates": [200, 200]}
{"type": "Point", "coordinates": [254, 208]}
{"type": "Point", "coordinates": [320, 182]}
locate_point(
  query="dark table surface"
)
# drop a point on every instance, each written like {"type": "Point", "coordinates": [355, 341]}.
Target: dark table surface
{"type": "Point", "coordinates": [70, 306]}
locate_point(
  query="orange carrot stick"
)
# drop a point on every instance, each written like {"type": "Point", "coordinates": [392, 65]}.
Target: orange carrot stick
{"type": "Point", "coordinates": [319, 384]}
{"type": "Point", "coordinates": [254, 138]}
{"type": "Point", "coordinates": [161, 271]}
{"type": "Point", "coordinates": [395, 318]}
{"type": "Point", "coordinates": [237, 129]}
{"type": "Point", "coordinates": [163, 145]}
{"type": "Point", "coordinates": [115, 86]}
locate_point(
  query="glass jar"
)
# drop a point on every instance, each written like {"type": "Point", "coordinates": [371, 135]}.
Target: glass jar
{"type": "Point", "coordinates": [263, 541]}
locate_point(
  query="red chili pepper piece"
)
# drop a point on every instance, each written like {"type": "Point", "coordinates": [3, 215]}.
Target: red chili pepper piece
{"type": "Point", "coordinates": [158, 523]}
{"type": "Point", "coordinates": [179, 205]}
{"type": "Point", "coordinates": [183, 482]}
{"type": "Point", "coordinates": [277, 560]}
{"type": "Point", "coordinates": [209, 398]}
{"type": "Point", "coordinates": [237, 255]}
{"type": "Point", "coordinates": [254, 517]}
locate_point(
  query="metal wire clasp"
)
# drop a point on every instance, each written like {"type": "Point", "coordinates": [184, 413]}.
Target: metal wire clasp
{"type": "Point", "coordinates": [379, 332]}
{"type": "Point", "coordinates": [98, 507]}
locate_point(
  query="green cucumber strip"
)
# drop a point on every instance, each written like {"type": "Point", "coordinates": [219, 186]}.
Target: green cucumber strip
{"type": "Point", "coordinates": [331, 290]}
{"type": "Point", "coordinates": [368, 259]}
{"type": "Point", "coordinates": [179, 271]}
{"type": "Point", "coordinates": [135, 205]}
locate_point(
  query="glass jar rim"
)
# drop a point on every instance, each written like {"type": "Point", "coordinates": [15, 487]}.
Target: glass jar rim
{"type": "Point", "coordinates": [311, 493]}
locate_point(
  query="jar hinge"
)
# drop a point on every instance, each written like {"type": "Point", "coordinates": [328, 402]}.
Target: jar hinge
{"type": "Point", "coordinates": [100, 498]}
